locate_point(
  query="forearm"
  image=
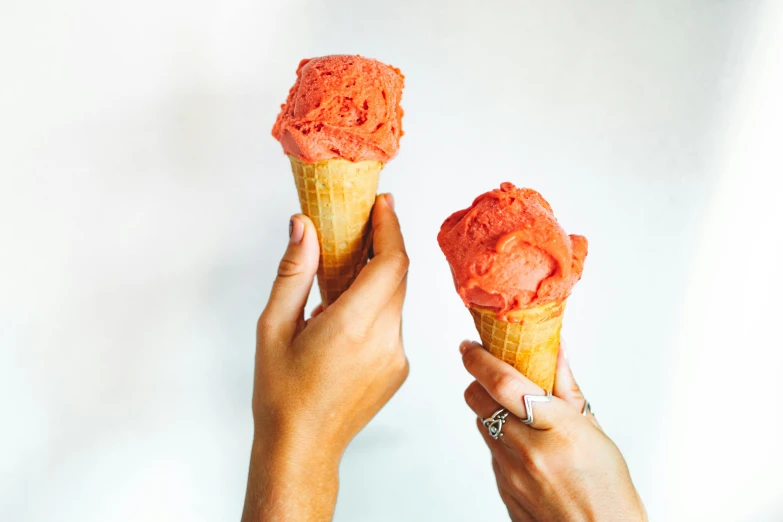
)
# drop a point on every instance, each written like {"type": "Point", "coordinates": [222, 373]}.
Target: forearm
{"type": "Point", "coordinates": [287, 483]}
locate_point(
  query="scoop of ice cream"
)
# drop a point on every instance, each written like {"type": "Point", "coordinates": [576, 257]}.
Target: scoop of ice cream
{"type": "Point", "coordinates": [507, 251]}
{"type": "Point", "coordinates": [345, 107]}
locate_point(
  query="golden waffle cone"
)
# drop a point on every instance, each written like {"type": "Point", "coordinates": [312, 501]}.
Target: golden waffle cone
{"type": "Point", "coordinates": [527, 339]}
{"type": "Point", "coordinates": [338, 196]}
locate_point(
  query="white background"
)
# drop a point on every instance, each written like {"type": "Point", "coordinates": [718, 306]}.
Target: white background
{"type": "Point", "coordinates": [144, 206]}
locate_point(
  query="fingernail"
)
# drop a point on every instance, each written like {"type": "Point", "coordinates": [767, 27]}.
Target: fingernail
{"type": "Point", "coordinates": [463, 346]}
{"type": "Point", "coordinates": [389, 200]}
{"type": "Point", "coordinates": [295, 230]}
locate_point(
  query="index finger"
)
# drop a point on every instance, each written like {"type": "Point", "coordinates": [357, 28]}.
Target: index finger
{"type": "Point", "coordinates": [509, 387]}
{"type": "Point", "coordinates": [377, 283]}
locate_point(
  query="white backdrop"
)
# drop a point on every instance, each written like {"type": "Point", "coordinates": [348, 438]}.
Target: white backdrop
{"type": "Point", "coordinates": [144, 206]}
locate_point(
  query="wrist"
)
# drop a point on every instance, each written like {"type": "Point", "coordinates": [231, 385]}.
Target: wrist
{"type": "Point", "coordinates": [296, 455]}
{"type": "Point", "coordinates": [290, 480]}
{"type": "Point", "coordinates": [289, 438]}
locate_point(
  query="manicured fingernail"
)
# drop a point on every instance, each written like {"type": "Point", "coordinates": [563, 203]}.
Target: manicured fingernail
{"type": "Point", "coordinates": [463, 346]}
{"type": "Point", "coordinates": [295, 230]}
{"type": "Point", "coordinates": [389, 200]}
{"type": "Point", "coordinates": [563, 351]}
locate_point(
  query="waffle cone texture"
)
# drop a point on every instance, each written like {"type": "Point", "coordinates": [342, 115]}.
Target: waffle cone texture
{"type": "Point", "coordinates": [338, 196]}
{"type": "Point", "coordinates": [528, 339]}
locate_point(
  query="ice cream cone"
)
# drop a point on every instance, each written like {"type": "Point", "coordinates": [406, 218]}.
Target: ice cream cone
{"type": "Point", "coordinates": [338, 196]}
{"type": "Point", "coordinates": [528, 339]}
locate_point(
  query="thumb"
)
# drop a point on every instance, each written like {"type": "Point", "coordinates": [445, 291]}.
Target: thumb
{"type": "Point", "coordinates": [295, 274]}
{"type": "Point", "coordinates": [565, 386]}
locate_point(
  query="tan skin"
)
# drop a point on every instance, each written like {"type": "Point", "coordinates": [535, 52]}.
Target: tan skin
{"type": "Point", "coordinates": [339, 367]}
{"type": "Point", "coordinates": [343, 365]}
{"type": "Point", "coordinates": [560, 468]}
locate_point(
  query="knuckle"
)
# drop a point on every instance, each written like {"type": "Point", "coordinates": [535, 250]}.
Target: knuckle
{"type": "Point", "coordinates": [471, 359]}
{"type": "Point", "coordinates": [397, 260]}
{"type": "Point", "coordinates": [354, 335]}
{"type": "Point", "coordinates": [567, 437]}
{"type": "Point", "coordinates": [346, 328]}
{"type": "Point", "coordinates": [472, 395]}
{"type": "Point", "coordinates": [264, 324]}
{"type": "Point", "coordinates": [401, 368]}
{"type": "Point", "coordinates": [288, 268]}
{"type": "Point", "coordinates": [503, 386]}
{"type": "Point", "coordinates": [534, 462]}
{"type": "Point", "coordinates": [516, 480]}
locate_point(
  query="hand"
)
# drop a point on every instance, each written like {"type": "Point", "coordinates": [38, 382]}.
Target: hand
{"type": "Point", "coordinates": [560, 468]}
{"type": "Point", "coordinates": [319, 382]}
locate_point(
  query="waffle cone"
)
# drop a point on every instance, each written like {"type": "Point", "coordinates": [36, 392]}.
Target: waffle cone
{"type": "Point", "coordinates": [528, 339]}
{"type": "Point", "coordinates": [338, 196]}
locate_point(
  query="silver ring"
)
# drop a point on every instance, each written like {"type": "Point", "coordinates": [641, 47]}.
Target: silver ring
{"type": "Point", "coordinates": [529, 400]}
{"type": "Point", "coordinates": [587, 409]}
{"type": "Point", "coordinates": [495, 423]}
